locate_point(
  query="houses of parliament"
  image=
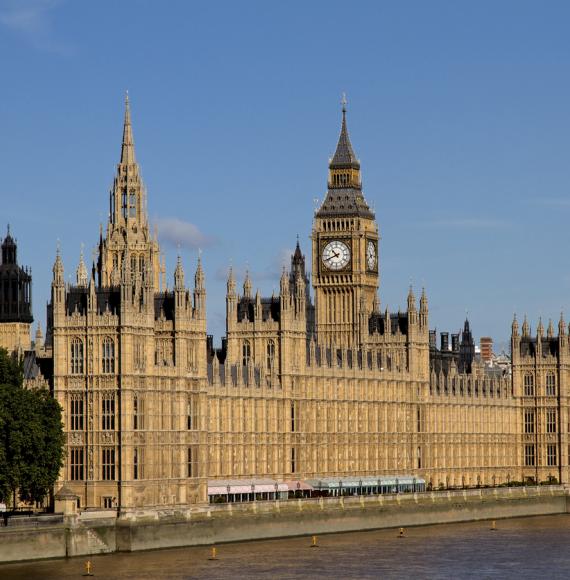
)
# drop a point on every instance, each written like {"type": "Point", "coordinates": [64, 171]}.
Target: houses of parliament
{"type": "Point", "coordinates": [319, 381]}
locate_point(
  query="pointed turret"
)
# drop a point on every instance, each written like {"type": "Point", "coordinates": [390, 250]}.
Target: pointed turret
{"type": "Point", "coordinates": [550, 329]}
{"type": "Point", "coordinates": [525, 328]}
{"type": "Point", "coordinates": [81, 273]}
{"type": "Point", "coordinates": [540, 328]}
{"type": "Point", "coordinates": [200, 290]}
{"type": "Point", "coordinates": [179, 275]}
{"type": "Point", "coordinates": [9, 249]}
{"type": "Point", "coordinates": [247, 285]}
{"type": "Point", "coordinates": [561, 325]}
{"type": "Point", "coordinates": [39, 340]}
{"type": "Point", "coordinates": [412, 311]}
{"type": "Point", "coordinates": [515, 327]}
{"type": "Point", "coordinates": [424, 309]}
{"type": "Point", "coordinates": [231, 284]}
{"type": "Point", "coordinates": [199, 277]}
{"type": "Point", "coordinates": [58, 269]}
{"type": "Point", "coordinates": [344, 156]}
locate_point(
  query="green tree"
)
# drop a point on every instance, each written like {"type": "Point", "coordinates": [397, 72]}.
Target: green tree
{"type": "Point", "coordinates": [31, 436]}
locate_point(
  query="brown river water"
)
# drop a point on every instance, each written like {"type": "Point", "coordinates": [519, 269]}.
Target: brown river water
{"type": "Point", "coordinates": [519, 548]}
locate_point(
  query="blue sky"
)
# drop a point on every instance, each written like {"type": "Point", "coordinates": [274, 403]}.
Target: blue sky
{"type": "Point", "coordinates": [459, 112]}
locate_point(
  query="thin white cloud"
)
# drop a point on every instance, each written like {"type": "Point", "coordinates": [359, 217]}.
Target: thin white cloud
{"type": "Point", "coordinates": [552, 202]}
{"type": "Point", "coordinates": [176, 232]}
{"type": "Point", "coordinates": [32, 19]}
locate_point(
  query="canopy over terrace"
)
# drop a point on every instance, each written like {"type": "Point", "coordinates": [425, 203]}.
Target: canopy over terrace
{"type": "Point", "coordinates": [237, 490]}
{"type": "Point", "coordinates": [367, 485]}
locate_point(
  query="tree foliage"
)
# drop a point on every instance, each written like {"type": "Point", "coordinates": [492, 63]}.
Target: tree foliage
{"type": "Point", "coordinates": [31, 436]}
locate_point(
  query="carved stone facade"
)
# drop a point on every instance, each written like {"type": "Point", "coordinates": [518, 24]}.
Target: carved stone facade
{"type": "Point", "coordinates": [298, 389]}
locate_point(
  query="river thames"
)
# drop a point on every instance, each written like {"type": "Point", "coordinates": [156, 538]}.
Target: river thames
{"type": "Point", "coordinates": [519, 548]}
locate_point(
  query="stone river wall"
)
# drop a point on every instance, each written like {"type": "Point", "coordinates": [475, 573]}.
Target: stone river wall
{"type": "Point", "coordinates": [101, 532]}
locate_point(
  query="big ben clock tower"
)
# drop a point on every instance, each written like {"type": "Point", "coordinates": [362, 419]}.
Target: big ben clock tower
{"type": "Point", "coordinates": [345, 250]}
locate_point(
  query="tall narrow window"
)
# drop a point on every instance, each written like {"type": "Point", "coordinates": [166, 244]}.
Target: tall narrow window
{"type": "Point", "coordinates": [192, 462]}
{"type": "Point", "coordinates": [551, 421]}
{"type": "Point", "coordinates": [108, 412]}
{"type": "Point", "coordinates": [550, 385]}
{"type": "Point", "coordinates": [76, 412]}
{"type": "Point", "coordinates": [108, 463]}
{"type": "Point", "coordinates": [270, 354]}
{"type": "Point", "coordinates": [192, 412]}
{"type": "Point", "coordinates": [76, 356]}
{"type": "Point", "coordinates": [246, 353]}
{"type": "Point", "coordinates": [124, 204]}
{"type": "Point", "coordinates": [76, 463]}
{"type": "Point", "coordinates": [551, 454]}
{"type": "Point", "coordinates": [528, 385]}
{"type": "Point", "coordinates": [137, 404]}
{"type": "Point", "coordinates": [529, 456]}
{"type": "Point", "coordinates": [138, 455]}
{"type": "Point", "coordinates": [293, 418]}
{"type": "Point", "coordinates": [132, 204]}
{"type": "Point", "coordinates": [529, 421]}
{"type": "Point", "coordinates": [293, 460]}
{"type": "Point", "coordinates": [108, 355]}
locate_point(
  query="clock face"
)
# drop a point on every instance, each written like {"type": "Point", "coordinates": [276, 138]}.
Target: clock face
{"type": "Point", "coordinates": [336, 255]}
{"type": "Point", "coordinates": [371, 256]}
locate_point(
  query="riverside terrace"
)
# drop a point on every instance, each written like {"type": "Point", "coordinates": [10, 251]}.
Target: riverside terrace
{"type": "Point", "coordinates": [240, 490]}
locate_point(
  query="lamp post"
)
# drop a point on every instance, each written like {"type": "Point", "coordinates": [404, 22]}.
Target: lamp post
{"type": "Point", "coordinates": [360, 487]}
{"type": "Point", "coordinates": [340, 487]}
{"type": "Point", "coordinates": [253, 491]}
{"type": "Point", "coordinates": [228, 488]}
{"type": "Point", "coordinates": [276, 490]}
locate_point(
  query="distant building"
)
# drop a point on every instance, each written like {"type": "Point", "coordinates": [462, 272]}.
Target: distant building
{"type": "Point", "coordinates": [486, 343]}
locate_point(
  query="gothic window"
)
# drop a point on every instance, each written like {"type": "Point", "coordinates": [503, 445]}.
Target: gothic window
{"type": "Point", "coordinates": [550, 385]}
{"type": "Point", "coordinates": [138, 412]}
{"type": "Point", "coordinates": [138, 353]}
{"type": "Point", "coordinates": [528, 385]}
{"type": "Point", "coordinates": [138, 455]}
{"type": "Point", "coordinates": [529, 456]}
{"type": "Point", "coordinates": [124, 207]}
{"type": "Point", "coordinates": [192, 412]}
{"type": "Point", "coordinates": [108, 463]}
{"type": "Point", "coordinates": [191, 355]}
{"type": "Point", "coordinates": [76, 412]}
{"type": "Point", "coordinates": [192, 462]}
{"type": "Point", "coordinates": [76, 463]}
{"type": "Point", "coordinates": [551, 453]}
{"type": "Point", "coordinates": [293, 460]}
{"type": "Point", "coordinates": [108, 355]}
{"type": "Point", "coordinates": [551, 421]}
{"type": "Point", "coordinates": [529, 421]}
{"type": "Point", "coordinates": [108, 412]}
{"type": "Point", "coordinates": [133, 265]}
{"type": "Point", "coordinates": [246, 353]}
{"type": "Point", "coordinates": [270, 354]}
{"type": "Point", "coordinates": [76, 356]}
{"type": "Point", "coordinates": [132, 204]}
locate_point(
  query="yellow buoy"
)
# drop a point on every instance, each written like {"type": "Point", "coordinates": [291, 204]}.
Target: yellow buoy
{"type": "Point", "coordinates": [402, 533]}
{"type": "Point", "coordinates": [493, 526]}
{"type": "Point", "coordinates": [213, 554]}
{"type": "Point", "coordinates": [314, 542]}
{"type": "Point", "coordinates": [88, 568]}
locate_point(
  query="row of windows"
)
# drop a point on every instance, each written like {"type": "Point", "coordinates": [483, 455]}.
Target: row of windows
{"type": "Point", "coordinates": [77, 412]}
{"type": "Point", "coordinates": [108, 471]}
{"type": "Point", "coordinates": [530, 421]}
{"type": "Point", "coordinates": [550, 387]}
{"type": "Point", "coordinates": [270, 353]}
{"type": "Point", "coordinates": [530, 455]}
{"type": "Point", "coordinates": [77, 358]}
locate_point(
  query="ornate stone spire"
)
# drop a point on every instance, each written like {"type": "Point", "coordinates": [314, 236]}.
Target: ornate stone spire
{"type": "Point", "coordinates": [525, 327]}
{"type": "Point", "coordinates": [199, 276]}
{"type": "Point", "coordinates": [231, 285]}
{"type": "Point", "coordinates": [81, 273]}
{"type": "Point", "coordinates": [128, 145]}
{"type": "Point", "coordinates": [247, 285]}
{"type": "Point", "coordinates": [561, 325]}
{"type": "Point", "coordinates": [58, 268]}
{"type": "Point", "coordinates": [550, 329]}
{"type": "Point", "coordinates": [344, 155]}
{"type": "Point", "coordinates": [515, 326]}
{"type": "Point", "coordinates": [411, 300]}
{"type": "Point", "coordinates": [540, 328]}
{"type": "Point", "coordinates": [179, 275]}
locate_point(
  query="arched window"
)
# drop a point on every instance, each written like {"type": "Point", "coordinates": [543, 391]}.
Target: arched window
{"type": "Point", "coordinates": [132, 204]}
{"type": "Point", "coordinates": [76, 356]}
{"type": "Point", "coordinates": [270, 354]}
{"type": "Point", "coordinates": [528, 385]}
{"type": "Point", "coordinates": [246, 353]}
{"type": "Point", "coordinates": [108, 355]}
